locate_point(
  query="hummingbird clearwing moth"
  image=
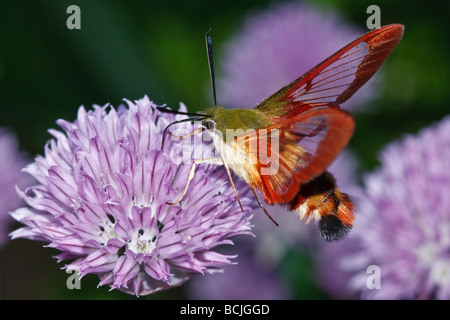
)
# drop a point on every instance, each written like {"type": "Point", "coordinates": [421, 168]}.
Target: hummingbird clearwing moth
{"type": "Point", "coordinates": [283, 146]}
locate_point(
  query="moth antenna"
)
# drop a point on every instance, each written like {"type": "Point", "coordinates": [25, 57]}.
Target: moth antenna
{"type": "Point", "coordinates": [179, 121]}
{"type": "Point", "coordinates": [209, 51]}
{"type": "Point", "coordinates": [191, 114]}
{"type": "Point", "coordinates": [193, 117]}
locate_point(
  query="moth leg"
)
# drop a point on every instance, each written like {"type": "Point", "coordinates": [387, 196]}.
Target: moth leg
{"type": "Point", "coordinates": [198, 130]}
{"type": "Point", "coordinates": [232, 183]}
{"type": "Point", "coordinates": [262, 207]}
{"type": "Point", "coordinates": [215, 160]}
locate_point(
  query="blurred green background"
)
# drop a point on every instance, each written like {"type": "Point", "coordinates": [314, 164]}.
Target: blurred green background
{"type": "Point", "coordinates": [127, 49]}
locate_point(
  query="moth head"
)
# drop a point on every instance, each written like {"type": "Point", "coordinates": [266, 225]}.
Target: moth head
{"type": "Point", "coordinates": [209, 124]}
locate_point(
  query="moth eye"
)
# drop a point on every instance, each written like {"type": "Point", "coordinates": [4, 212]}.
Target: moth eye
{"type": "Point", "coordinates": [208, 124]}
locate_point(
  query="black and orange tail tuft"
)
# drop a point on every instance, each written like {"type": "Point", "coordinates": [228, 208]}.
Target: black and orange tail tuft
{"type": "Point", "coordinates": [335, 225]}
{"type": "Point", "coordinates": [321, 200]}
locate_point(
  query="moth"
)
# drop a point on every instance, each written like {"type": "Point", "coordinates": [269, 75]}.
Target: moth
{"type": "Point", "coordinates": [283, 146]}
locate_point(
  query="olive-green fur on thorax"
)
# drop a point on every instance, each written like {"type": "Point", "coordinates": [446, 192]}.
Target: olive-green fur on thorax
{"type": "Point", "coordinates": [237, 119]}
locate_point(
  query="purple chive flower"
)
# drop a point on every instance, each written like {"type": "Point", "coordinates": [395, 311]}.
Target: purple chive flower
{"type": "Point", "coordinates": [11, 163]}
{"type": "Point", "coordinates": [250, 279]}
{"type": "Point", "coordinates": [403, 222]}
{"type": "Point", "coordinates": [278, 45]}
{"type": "Point", "coordinates": [101, 196]}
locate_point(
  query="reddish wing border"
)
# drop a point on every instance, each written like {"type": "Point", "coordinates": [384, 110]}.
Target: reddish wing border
{"type": "Point", "coordinates": [337, 78]}
{"type": "Point", "coordinates": [307, 144]}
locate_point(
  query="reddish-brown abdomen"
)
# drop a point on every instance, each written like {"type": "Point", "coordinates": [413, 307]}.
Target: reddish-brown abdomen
{"type": "Point", "coordinates": [321, 199]}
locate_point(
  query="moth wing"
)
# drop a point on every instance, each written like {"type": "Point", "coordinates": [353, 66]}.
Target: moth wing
{"type": "Point", "coordinates": [289, 153]}
{"type": "Point", "coordinates": [335, 79]}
